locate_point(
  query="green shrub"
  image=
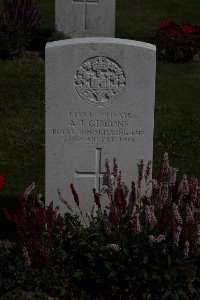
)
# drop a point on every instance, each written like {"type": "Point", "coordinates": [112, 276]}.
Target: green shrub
{"type": "Point", "coordinates": [18, 20]}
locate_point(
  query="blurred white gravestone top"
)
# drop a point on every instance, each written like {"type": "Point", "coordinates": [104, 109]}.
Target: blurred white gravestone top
{"type": "Point", "coordinates": [99, 105]}
{"type": "Point", "coordinates": [86, 18]}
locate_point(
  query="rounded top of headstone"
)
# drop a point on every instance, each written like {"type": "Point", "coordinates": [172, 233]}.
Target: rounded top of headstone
{"type": "Point", "coordinates": [100, 40]}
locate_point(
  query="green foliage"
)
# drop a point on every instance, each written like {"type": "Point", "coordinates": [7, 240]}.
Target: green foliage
{"type": "Point", "coordinates": [129, 249]}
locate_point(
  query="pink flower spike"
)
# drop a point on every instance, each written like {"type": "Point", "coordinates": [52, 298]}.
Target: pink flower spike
{"type": "Point", "coordinates": [176, 213]}
{"type": "Point", "coordinates": [163, 195]}
{"type": "Point", "coordinates": [140, 172]}
{"type": "Point", "coordinates": [177, 234]}
{"type": "Point", "coordinates": [147, 171]}
{"type": "Point", "coordinates": [153, 217]}
{"type": "Point", "coordinates": [157, 239]}
{"type": "Point", "coordinates": [136, 224]}
{"type": "Point", "coordinates": [186, 249]}
{"type": "Point", "coordinates": [165, 163]}
{"type": "Point", "coordinates": [184, 186]}
{"type": "Point", "coordinates": [107, 167]}
{"type": "Point", "coordinates": [147, 214]}
{"type": "Point", "coordinates": [172, 175]}
{"type": "Point", "coordinates": [194, 189]}
{"type": "Point", "coordinates": [106, 225]}
{"type": "Point", "coordinates": [26, 256]}
{"type": "Point", "coordinates": [115, 168]}
{"type": "Point", "coordinates": [74, 193]}
{"type": "Point", "coordinates": [29, 189]}
{"type": "Point", "coordinates": [64, 201]}
{"type": "Point", "coordinates": [198, 234]}
{"type": "Point", "coordinates": [190, 213]}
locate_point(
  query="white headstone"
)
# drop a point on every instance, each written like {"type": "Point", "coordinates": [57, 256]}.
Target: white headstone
{"type": "Point", "coordinates": [99, 105]}
{"type": "Point", "coordinates": [85, 18]}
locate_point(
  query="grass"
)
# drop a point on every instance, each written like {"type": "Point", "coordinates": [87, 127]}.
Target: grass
{"type": "Point", "coordinates": [177, 117]}
{"type": "Point", "coordinates": [177, 113]}
{"type": "Point", "coordinates": [137, 19]}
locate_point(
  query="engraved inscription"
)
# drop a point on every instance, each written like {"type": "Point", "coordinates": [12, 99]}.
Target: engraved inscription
{"type": "Point", "coordinates": [100, 81]}
{"type": "Point", "coordinates": [90, 127]}
{"type": "Point", "coordinates": [85, 3]}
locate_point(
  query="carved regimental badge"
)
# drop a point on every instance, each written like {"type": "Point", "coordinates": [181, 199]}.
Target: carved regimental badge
{"type": "Point", "coordinates": [100, 81]}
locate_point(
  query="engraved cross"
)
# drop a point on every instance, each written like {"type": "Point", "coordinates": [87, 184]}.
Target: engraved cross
{"type": "Point", "coordinates": [97, 174]}
{"type": "Point", "coordinates": [85, 3]}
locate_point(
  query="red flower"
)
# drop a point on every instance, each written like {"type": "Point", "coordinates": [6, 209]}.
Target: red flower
{"type": "Point", "coordinates": [173, 33]}
{"type": "Point", "coordinates": [167, 24]}
{"type": "Point", "coordinates": [187, 28]}
{"type": "Point", "coordinates": [2, 182]}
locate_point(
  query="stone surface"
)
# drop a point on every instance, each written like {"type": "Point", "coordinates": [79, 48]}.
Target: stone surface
{"type": "Point", "coordinates": [85, 18]}
{"type": "Point", "coordinates": [99, 104]}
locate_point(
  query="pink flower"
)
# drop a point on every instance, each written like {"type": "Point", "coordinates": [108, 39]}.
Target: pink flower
{"type": "Point", "coordinates": [190, 213]}
{"type": "Point", "coordinates": [136, 224]}
{"type": "Point", "coordinates": [172, 175]}
{"type": "Point", "coordinates": [110, 179]}
{"type": "Point", "coordinates": [194, 189]}
{"type": "Point", "coordinates": [114, 247]}
{"type": "Point", "coordinates": [120, 184]}
{"type": "Point", "coordinates": [184, 186]}
{"type": "Point", "coordinates": [186, 249]}
{"type": "Point", "coordinates": [29, 189]}
{"type": "Point", "coordinates": [26, 256]}
{"type": "Point", "coordinates": [150, 214]}
{"type": "Point", "coordinates": [74, 193]}
{"type": "Point", "coordinates": [106, 225]}
{"type": "Point", "coordinates": [198, 234]}
{"type": "Point", "coordinates": [115, 167]}
{"type": "Point", "coordinates": [153, 217]}
{"type": "Point", "coordinates": [163, 195]}
{"type": "Point", "coordinates": [147, 171]}
{"type": "Point", "coordinates": [107, 167]}
{"type": "Point", "coordinates": [165, 166]}
{"type": "Point", "coordinates": [155, 184]}
{"type": "Point", "coordinates": [64, 201]}
{"type": "Point", "coordinates": [176, 213]}
{"type": "Point", "coordinates": [198, 238]}
{"type": "Point", "coordinates": [147, 214]}
{"type": "Point", "coordinates": [140, 172]}
{"type": "Point", "coordinates": [157, 239]}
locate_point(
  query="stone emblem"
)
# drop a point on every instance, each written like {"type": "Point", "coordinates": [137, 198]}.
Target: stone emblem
{"type": "Point", "coordinates": [100, 81]}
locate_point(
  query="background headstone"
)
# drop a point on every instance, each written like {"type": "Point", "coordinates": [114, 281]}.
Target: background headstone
{"type": "Point", "coordinates": [99, 104]}
{"type": "Point", "coordinates": [85, 18]}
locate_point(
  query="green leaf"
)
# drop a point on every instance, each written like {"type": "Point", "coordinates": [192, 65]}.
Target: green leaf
{"type": "Point", "coordinates": [167, 294]}
{"type": "Point", "coordinates": [145, 259]}
{"type": "Point", "coordinates": [112, 274]}
{"type": "Point", "coordinates": [78, 274]}
{"type": "Point", "coordinates": [169, 260]}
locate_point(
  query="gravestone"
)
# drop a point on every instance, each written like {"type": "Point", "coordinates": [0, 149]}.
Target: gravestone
{"type": "Point", "coordinates": [99, 105]}
{"type": "Point", "coordinates": [85, 18]}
